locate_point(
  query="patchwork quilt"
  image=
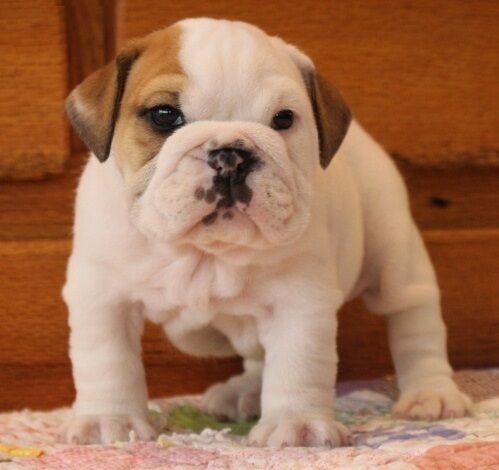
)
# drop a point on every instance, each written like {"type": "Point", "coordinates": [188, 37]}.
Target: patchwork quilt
{"type": "Point", "coordinates": [194, 441]}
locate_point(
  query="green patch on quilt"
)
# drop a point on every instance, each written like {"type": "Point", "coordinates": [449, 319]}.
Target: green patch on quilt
{"type": "Point", "coordinates": [192, 419]}
{"type": "Point", "coordinates": [362, 415]}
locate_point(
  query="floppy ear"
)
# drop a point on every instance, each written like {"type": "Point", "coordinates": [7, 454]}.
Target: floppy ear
{"type": "Point", "coordinates": [331, 112]}
{"type": "Point", "coordinates": [93, 106]}
{"type": "Point", "coordinates": [332, 116]}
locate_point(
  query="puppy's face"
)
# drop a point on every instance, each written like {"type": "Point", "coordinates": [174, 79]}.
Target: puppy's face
{"type": "Point", "coordinates": [217, 129]}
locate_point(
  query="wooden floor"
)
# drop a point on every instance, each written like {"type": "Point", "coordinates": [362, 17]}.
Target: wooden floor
{"type": "Point", "coordinates": [457, 210]}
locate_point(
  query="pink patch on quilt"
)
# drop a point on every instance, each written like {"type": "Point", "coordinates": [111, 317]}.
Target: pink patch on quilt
{"type": "Point", "coordinates": [151, 456]}
{"type": "Point", "coordinates": [476, 455]}
{"type": "Point", "coordinates": [139, 456]}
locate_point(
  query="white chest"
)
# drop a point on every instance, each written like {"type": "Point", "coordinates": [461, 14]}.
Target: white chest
{"type": "Point", "coordinates": [195, 283]}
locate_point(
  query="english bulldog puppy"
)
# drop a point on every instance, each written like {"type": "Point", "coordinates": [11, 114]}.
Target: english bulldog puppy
{"type": "Point", "coordinates": [213, 206]}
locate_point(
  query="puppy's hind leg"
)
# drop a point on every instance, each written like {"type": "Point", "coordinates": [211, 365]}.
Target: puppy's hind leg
{"type": "Point", "coordinates": [238, 399]}
{"type": "Point", "coordinates": [399, 282]}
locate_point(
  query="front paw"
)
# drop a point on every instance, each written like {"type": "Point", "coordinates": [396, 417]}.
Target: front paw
{"type": "Point", "coordinates": [433, 403]}
{"type": "Point", "coordinates": [96, 429]}
{"type": "Point", "coordinates": [300, 430]}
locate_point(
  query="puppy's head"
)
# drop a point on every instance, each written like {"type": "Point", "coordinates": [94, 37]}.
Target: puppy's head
{"type": "Point", "coordinates": [217, 130]}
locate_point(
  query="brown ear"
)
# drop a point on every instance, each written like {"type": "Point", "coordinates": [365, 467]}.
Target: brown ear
{"type": "Point", "coordinates": [93, 106]}
{"type": "Point", "coordinates": [332, 115]}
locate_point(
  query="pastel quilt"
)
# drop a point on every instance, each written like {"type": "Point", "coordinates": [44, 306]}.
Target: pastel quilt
{"type": "Point", "coordinates": [194, 441]}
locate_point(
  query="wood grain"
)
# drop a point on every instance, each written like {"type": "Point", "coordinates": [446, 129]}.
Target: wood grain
{"type": "Point", "coordinates": [421, 75]}
{"type": "Point", "coordinates": [33, 337]}
{"type": "Point", "coordinates": [42, 209]}
{"type": "Point", "coordinates": [33, 82]}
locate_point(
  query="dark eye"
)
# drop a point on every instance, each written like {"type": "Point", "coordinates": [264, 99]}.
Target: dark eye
{"type": "Point", "coordinates": [282, 120]}
{"type": "Point", "coordinates": [165, 118]}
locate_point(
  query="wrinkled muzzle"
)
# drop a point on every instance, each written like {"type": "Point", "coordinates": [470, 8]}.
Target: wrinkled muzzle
{"type": "Point", "coordinates": [219, 183]}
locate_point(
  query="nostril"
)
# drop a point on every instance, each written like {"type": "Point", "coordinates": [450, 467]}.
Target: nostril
{"type": "Point", "coordinates": [214, 162]}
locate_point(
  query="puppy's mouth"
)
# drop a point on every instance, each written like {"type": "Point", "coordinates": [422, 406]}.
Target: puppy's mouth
{"type": "Point", "coordinates": [229, 190]}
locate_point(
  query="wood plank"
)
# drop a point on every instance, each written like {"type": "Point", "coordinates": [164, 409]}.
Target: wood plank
{"type": "Point", "coordinates": [33, 83]}
{"type": "Point", "coordinates": [446, 198]}
{"type": "Point", "coordinates": [421, 75]}
{"type": "Point", "coordinates": [42, 209]}
{"type": "Point", "coordinates": [453, 198]}
{"type": "Point", "coordinates": [33, 337]}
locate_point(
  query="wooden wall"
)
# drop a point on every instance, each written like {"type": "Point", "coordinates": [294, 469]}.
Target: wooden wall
{"type": "Point", "coordinates": [422, 75]}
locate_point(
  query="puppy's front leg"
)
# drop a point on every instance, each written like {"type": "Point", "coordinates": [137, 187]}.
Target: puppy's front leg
{"type": "Point", "coordinates": [111, 394]}
{"type": "Point", "coordinates": [406, 291]}
{"type": "Point", "coordinates": [417, 342]}
{"type": "Point", "coordinates": [298, 379]}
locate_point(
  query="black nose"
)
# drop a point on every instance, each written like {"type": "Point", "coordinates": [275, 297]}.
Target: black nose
{"type": "Point", "coordinates": [230, 159]}
{"type": "Point", "coordinates": [232, 166]}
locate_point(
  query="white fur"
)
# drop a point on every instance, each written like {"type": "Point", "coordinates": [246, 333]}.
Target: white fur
{"type": "Point", "coordinates": [266, 284]}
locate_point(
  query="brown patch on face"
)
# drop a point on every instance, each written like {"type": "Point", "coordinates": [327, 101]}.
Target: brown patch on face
{"type": "Point", "coordinates": [155, 78]}
{"type": "Point", "coordinates": [199, 193]}
{"type": "Point", "coordinates": [110, 106]}
{"type": "Point", "coordinates": [210, 218]}
{"type": "Point", "coordinates": [210, 196]}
